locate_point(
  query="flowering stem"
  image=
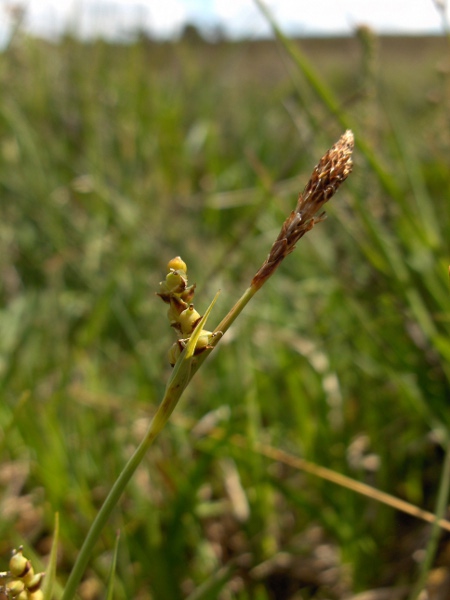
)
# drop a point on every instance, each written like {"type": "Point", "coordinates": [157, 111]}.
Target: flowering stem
{"type": "Point", "coordinates": [333, 168]}
{"type": "Point", "coordinates": [164, 411]}
{"type": "Point", "coordinates": [105, 512]}
{"type": "Point", "coordinates": [227, 321]}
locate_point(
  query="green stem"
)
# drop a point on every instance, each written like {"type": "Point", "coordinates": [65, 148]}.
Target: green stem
{"type": "Point", "coordinates": [236, 310]}
{"type": "Point", "coordinates": [164, 411]}
{"type": "Point", "coordinates": [103, 515]}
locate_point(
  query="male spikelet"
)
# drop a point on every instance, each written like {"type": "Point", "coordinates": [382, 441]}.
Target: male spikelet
{"type": "Point", "coordinates": [333, 169]}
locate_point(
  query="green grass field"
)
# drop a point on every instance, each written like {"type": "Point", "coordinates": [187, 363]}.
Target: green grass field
{"type": "Point", "coordinates": [114, 159]}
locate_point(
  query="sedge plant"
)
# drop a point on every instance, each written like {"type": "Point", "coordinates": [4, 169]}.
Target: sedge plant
{"type": "Point", "coordinates": [195, 342]}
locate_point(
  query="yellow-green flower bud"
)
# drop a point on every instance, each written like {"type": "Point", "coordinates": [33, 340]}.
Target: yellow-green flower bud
{"type": "Point", "coordinates": [14, 588]}
{"type": "Point", "coordinates": [175, 350]}
{"type": "Point", "coordinates": [19, 565]}
{"type": "Point", "coordinates": [177, 264]}
{"type": "Point", "coordinates": [174, 283]}
{"type": "Point", "coordinates": [176, 308]}
{"type": "Point", "coordinates": [203, 341]}
{"type": "Point", "coordinates": [188, 319]}
{"type": "Point", "coordinates": [188, 293]}
{"type": "Point", "coordinates": [33, 581]}
{"type": "Point", "coordinates": [37, 595]}
{"type": "Point", "coordinates": [24, 595]}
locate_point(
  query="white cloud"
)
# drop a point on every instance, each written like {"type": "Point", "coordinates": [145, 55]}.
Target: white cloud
{"type": "Point", "coordinates": [240, 17]}
{"type": "Point", "coordinates": [165, 18]}
{"type": "Point", "coordinates": [344, 15]}
{"type": "Point", "coordinates": [109, 18]}
{"type": "Point", "coordinates": [119, 19]}
{"type": "Point", "coordinates": [331, 16]}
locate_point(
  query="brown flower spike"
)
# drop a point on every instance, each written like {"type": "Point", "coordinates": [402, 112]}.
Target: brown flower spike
{"type": "Point", "coordinates": [333, 169]}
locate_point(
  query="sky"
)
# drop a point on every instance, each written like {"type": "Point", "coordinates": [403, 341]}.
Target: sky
{"type": "Point", "coordinates": [115, 19]}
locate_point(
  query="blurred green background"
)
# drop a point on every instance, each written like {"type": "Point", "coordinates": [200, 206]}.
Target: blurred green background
{"type": "Point", "coordinates": [116, 158]}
